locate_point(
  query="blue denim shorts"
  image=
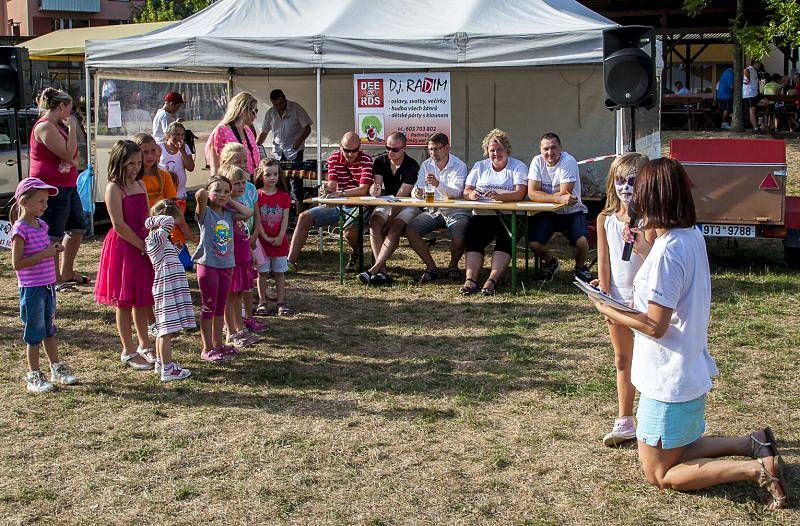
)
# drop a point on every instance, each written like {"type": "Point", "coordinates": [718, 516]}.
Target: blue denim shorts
{"type": "Point", "coordinates": [541, 226]}
{"type": "Point", "coordinates": [325, 215]}
{"type": "Point", "coordinates": [37, 310]}
{"type": "Point", "coordinates": [64, 213]}
{"type": "Point", "coordinates": [675, 424]}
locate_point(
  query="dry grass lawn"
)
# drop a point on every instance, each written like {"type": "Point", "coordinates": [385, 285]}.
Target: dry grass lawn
{"type": "Point", "coordinates": [405, 405]}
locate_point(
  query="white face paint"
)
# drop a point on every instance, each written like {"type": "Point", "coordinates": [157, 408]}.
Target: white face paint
{"type": "Point", "coordinates": [624, 187]}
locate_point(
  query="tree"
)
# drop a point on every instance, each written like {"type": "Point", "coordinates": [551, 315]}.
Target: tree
{"type": "Point", "coordinates": [781, 28]}
{"type": "Point", "coordinates": [166, 10]}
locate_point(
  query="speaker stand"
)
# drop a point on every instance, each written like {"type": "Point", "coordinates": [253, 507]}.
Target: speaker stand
{"type": "Point", "coordinates": [17, 143]}
{"type": "Point", "coordinates": [633, 128]}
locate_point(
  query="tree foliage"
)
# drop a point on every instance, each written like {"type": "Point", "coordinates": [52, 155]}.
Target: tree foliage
{"type": "Point", "coordinates": [781, 26]}
{"type": "Point", "coordinates": [166, 10]}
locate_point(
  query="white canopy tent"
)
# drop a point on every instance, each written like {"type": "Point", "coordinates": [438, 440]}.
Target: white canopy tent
{"type": "Point", "coordinates": [365, 34]}
{"type": "Point", "coordinates": [515, 64]}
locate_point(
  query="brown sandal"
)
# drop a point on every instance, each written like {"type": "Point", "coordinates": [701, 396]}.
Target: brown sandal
{"type": "Point", "coordinates": [765, 480]}
{"type": "Point", "coordinates": [756, 445]}
{"type": "Point", "coordinates": [489, 291]}
{"type": "Point", "coordinates": [467, 290]}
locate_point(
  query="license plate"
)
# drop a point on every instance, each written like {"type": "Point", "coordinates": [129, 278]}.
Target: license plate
{"type": "Point", "coordinates": [728, 230]}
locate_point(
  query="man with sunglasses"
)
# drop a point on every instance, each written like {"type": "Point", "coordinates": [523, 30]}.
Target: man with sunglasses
{"type": "Point", "coordinates": [349, 175]}
{"type": "Point", "coordinates": [395, 173]}
{"type": "Point", "coordinates": [554, 178]}
{"type": "Point", "coordinates": [447, 174]}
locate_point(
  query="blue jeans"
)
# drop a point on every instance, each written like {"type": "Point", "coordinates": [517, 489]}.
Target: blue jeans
{"type": "Point", "coordinates": [37, 310]}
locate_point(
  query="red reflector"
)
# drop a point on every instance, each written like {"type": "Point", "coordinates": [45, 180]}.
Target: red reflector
{"type": "Point", "coordinates": [769, 183]}
{"type": "Point", "coordinates": [774, 232]}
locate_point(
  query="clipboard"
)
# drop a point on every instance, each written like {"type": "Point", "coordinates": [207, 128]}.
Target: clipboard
{"type": "Point", "coordinates": [597, 295]}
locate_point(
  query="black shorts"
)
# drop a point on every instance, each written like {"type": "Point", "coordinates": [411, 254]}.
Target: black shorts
{"type": "Point", "coordinates": [482, 230]}
{"type": "Point", "coordinates": [542, 226]}
{"type": "Point", "coordinates": [64, 213]}
{"type": "Point", "coordinates": [725, 104]}
{"type": "Point", "coordinates": [750, 102]}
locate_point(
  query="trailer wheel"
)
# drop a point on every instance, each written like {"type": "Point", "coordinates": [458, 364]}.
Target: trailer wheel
{"type": "Point", "coordinates": [791, 255]}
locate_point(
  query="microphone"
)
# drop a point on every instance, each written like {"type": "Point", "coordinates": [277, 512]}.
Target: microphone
{"type": "Point", "coordinates": [628, 248]}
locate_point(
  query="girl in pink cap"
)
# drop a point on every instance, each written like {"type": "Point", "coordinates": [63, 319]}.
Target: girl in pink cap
{"type": "Point", "coordinates": [32, 256]}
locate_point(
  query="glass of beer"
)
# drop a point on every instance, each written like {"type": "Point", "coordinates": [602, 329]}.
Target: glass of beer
{"type": "Point", "coordinates": [430, 193]}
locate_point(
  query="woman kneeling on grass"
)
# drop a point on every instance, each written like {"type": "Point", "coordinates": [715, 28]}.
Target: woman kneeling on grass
{"type": "Point", "coordinates": [672, 367]}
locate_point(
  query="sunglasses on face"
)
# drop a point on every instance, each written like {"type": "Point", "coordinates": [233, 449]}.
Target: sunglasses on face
{"type": "Point", "coordinates": [348, 150]}
{"type": "Point", "coordinates": [394, 150]}
{"type": "Point", "coordinates": [630, 180]}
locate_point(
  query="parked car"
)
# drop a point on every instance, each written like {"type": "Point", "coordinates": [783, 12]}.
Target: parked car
{"type": "Point", "coordinates": [9, 175]}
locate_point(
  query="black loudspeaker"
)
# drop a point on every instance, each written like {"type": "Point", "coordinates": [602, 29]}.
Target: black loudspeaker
{"type": "Point", "coordinates": [629, 67]}
{"type": "Point", "coordinates": [15, 77]}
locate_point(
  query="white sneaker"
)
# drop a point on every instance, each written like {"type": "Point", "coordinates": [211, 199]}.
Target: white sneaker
{"type": "Point", "coordinates": [37, 383]}
{"type": "Point", "coordinates": [158, 367]}
{"type": "Point", "coordinates": [60, 373]}
{"type": "Point", "coordinates": [623, 431]}
{"type": "Point", "coordinates": [239, 339]}
{"type": "Point", "coordinates": [175, 372]}
{"type": "Point", "coordinates": [725, 126]}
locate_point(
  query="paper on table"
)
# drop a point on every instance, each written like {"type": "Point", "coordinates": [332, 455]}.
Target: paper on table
{"type": "Point", "coordinates": [605, 299]}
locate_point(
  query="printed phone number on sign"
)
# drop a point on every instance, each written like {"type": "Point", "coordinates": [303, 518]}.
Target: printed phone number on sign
{"type": "Point", "coordinates": [417, 129]}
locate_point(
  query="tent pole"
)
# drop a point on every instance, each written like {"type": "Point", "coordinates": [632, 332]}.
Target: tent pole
{"type": "Point", "coordinates": [319, 144]}
{"type": "Point", "coordinates": [88, 109]}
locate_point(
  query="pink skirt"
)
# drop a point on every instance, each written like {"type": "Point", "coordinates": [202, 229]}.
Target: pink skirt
{"type": "Point", "coordinates": [125, 275]}
{"type": "Point", "coordinates": [244, 277]}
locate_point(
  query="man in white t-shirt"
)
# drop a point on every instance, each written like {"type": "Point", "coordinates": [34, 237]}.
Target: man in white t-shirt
{"type": "Point", "coordinates": [447, 174]}
{"type": "Point", "coordinates": [553, 178]}
{"type": "Point", "coordinates": [166, 115]}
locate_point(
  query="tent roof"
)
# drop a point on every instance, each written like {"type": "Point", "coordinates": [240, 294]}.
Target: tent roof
{"type": "Point", "coordinates": [365, 34]}
{"type": "Point", "coordinates": [72, 42]}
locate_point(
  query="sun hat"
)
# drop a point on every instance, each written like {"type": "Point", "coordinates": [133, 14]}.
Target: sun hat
{"type": "Point", "coordinates": [33, 183]}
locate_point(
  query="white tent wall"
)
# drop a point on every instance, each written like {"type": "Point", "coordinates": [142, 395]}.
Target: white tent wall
{"type": "Point", "coordinates": [525, 102]}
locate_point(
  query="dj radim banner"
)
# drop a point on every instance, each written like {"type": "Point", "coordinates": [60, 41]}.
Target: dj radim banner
{"type": "Point", "coordinates": [417, 104]}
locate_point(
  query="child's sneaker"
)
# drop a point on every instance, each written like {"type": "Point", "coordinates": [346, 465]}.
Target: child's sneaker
{"type": "Point", "coordinates": [60, 374]}
{"type": "Point", "coordinates": [37, 383]}
{"type": "Point", "coordinates": [158, 367]}
{"type": "Point", "coordinates": [173, 372]}
{"type": "Point", "coordinates": [253, 325]}
{"type": "Point", "coordinates": [215, 355]}
{"type": "Point", "coordinates": [623, 431]}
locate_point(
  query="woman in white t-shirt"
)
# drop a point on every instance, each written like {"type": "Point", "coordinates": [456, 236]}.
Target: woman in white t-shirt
{"type": "Point", "coordinates": [499, 178]}
{"type": "Point", "coordinates": [672, 368]}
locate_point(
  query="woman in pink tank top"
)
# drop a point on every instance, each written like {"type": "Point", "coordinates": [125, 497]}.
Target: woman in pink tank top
{"type": "Point", "coordinates": [53, 154]}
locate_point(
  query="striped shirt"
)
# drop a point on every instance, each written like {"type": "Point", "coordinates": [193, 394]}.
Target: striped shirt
{"type": "Point", "coordinates": [173, 301]}
{"type": "Point", "coordinates": [36, 240]}
{"type": "Point", "coordinates": [349, 175]}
